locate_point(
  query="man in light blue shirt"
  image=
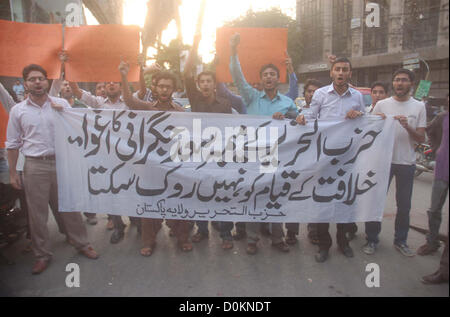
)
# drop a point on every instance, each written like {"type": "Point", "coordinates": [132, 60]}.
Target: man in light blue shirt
{"type": "Point", "coordinates": [337, 100]}
{"type": "Point", "coordinates": [268, 102]}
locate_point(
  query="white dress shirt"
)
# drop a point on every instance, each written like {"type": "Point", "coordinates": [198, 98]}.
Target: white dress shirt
{"type": "Point", "coordinates": [30, 127]}
{"type": "Point", "coordinates": [327, 103]}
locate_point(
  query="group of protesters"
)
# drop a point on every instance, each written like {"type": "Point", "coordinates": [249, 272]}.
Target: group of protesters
{"type": "Point", "coordinates": [30, 131]}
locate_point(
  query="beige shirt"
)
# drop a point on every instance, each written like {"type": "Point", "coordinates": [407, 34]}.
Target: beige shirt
{"type": "Point", "coordinates": [30, 127]}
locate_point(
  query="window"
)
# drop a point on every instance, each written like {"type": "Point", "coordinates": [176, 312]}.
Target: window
{"type": "Point", "coordinates": [310, 18]}
{"type": "Point", "coordinates": [421, 23]}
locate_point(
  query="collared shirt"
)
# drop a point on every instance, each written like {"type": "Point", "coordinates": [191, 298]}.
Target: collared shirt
{"type": "Point", "coordinates": [102, 103]}
{"type": "Point", "coordinates": [257, 102]}
{"type": "Point", "coordinates": [31, 129]}
{"type": "Point", "coordinates": [369, 109]}
{"type": "Point", "coordinates": [200, 104]}
{"type": "Point", "coordinates": [327, 103]}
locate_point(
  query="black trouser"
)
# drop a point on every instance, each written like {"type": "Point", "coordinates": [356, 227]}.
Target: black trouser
{"type": "Point", "coordinates": [118, 222]}
{"type": "Point", "coordinates": [293, 228]}
{"type": "Point", "coordinates": [324, 236]}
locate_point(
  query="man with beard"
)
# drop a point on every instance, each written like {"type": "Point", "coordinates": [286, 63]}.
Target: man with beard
{"type": "Point", "coordinates": [268, 102]}
{"type": "Point", "coordinates": [337, 100]}
{"type": "Point", "coordinates": [30, 129]}
{"type": "Point", "coordinates": [413, 121]}
{"type": "Point", "coordinates": [165, 85]}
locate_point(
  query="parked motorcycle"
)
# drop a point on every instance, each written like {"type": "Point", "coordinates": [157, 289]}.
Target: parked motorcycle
{"type": "Point", "coordinates": [425, 160]}
{"type": "Point", "coordinates": [13, 220]}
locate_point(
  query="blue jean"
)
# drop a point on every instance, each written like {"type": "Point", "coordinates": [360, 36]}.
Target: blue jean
{"type": "Point", "coordinates": [404, 180]}
{"type": "Point", "coordinates": [225, 229]}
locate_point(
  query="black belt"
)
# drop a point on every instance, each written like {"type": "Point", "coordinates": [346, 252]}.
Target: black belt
{"type": "Point", "coordinates": [43, 158]}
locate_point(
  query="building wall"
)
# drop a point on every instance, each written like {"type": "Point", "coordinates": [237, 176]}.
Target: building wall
{"type": "Point", "coordinates": [376, 53]}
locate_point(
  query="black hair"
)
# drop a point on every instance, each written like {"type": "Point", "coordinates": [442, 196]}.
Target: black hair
{"type": "Point", "coordinates": [342, 60]}
{"type": "Point", "coordinates": [269, 66]}
{"type": "Point", "coordinates": [381, 84]}
{"type": "Point", "coordinates": [410, 74]}
{"type": "Point", "coordinates": [207, 73]}
{"type": "Point", "coordinates": [33, 67]}
{"type": "Point", "coordinates": [312, 82]}
{"type": "Point", "coordinates": [165, 75]}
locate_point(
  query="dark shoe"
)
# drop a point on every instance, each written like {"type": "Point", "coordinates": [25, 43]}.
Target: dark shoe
{"type": "Point", "coordinates": [369, 248]}
{"type": "Point", "coordinates": [435, 278]}
{"type": "Point", "coordinates": [40, 266]}
{"type": "Point", "coordinates": [427, 249]}
{"type": "Point", "coordinates": [321, 256]}
{"type": "Point", "coordinates": [347, 251]}
{"type": "Point", "coordinates": [291, 238]}
{"type": "Point", "coordinates": [283, 247]}
{"type": "Point", "coordinates": [252, 249]}
{"type": "Point", "coordinates": [117, 236]}
{"type": "Point", "coordinates": [227, 244]}
{"type": "Point", "coordinates": [239, 235]}
{"type": "Point", "coordinates": [196, 238]}
{"type": "Point", "coordinates": [90, 253]}
{"type": "Point", "coordinates": [404, 249]}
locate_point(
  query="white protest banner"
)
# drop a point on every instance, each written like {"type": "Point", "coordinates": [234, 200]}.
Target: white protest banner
{"type": "Point", "coordinates": [222, 167]}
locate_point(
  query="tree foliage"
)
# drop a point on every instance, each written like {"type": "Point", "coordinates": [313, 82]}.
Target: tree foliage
{"type": "Point", "coordinates": [273, 18]}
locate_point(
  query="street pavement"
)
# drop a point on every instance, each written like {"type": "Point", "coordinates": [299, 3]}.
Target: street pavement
{"type": "Point", "coordinates": [211, 271]}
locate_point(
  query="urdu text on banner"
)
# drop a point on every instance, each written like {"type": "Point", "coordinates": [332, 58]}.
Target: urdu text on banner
{"type": "Point", "coordinates": [220, 167]}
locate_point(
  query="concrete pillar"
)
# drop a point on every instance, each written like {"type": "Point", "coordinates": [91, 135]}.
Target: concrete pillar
{"type": "Point", "coordinates": [395, 41]}
{"type": "Point", "coordinates": [327, 7]}
{"type": "Point", "coordinates": [357, 33]}
{"type": "Point", "coordinates": [443, 24]}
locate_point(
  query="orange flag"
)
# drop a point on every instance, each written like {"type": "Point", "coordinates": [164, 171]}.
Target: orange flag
{"type": "Point", "coordinates": [258, 46]}
{"type": "Point", "coordinates": [25, 43]}
{"type": "Point", "coordinates": [95, 51]}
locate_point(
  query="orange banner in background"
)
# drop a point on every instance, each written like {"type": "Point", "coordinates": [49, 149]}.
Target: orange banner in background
{"type": "Point", "coordinates": [259, 46]}
{"type": "Point", "coordinates": [22, 44]}
{"type": "Point", "coordinates": [95, 51]}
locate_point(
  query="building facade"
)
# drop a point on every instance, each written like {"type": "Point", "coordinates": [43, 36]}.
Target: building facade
{"type": "Point", "coordinates": [403, 29]}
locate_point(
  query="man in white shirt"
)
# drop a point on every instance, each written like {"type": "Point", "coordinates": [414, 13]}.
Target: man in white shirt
{"type": "Point", "coordinates": [337, 100]}
{"type": "Point", "coordinates": [30, 129]}
{"type": "Point", "coordinates": [412, 117]}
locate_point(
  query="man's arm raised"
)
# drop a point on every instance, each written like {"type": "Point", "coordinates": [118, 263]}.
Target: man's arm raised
{"type": "Point", "coordinates": [131, 102]}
